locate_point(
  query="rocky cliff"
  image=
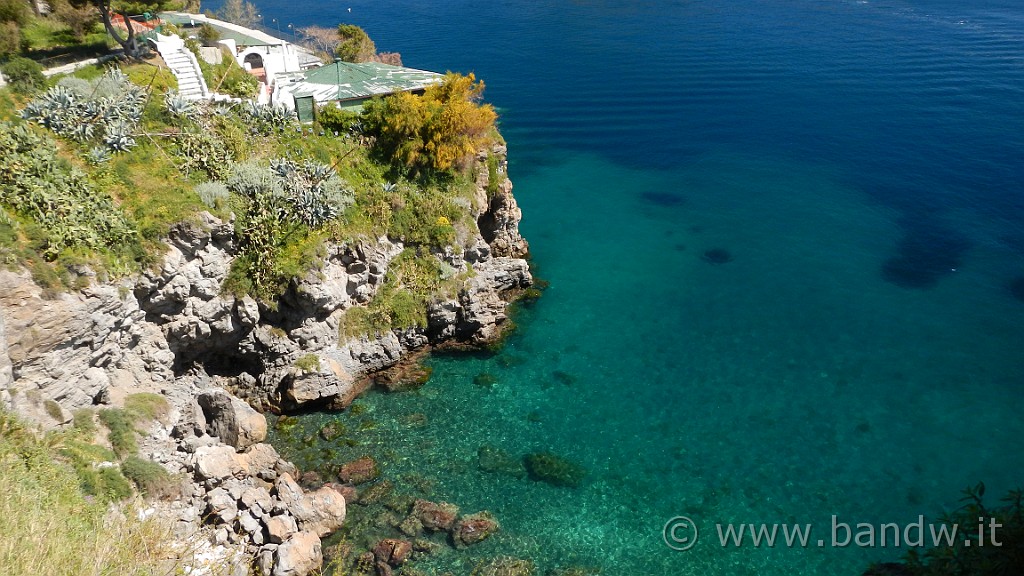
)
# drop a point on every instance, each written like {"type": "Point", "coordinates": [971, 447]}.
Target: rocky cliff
{"type": "Point", "coordinates": [173, 331]}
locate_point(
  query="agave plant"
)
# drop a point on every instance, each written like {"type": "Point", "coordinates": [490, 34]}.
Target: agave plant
{"type": "Point", "coordinates": [97, 155]}
{"type": "Point", "coordinates": [180, 107]}
{"type": "Point", "coordinates": [118, 136]}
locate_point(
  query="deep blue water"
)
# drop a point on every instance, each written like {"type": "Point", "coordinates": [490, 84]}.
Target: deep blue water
{"type": "Point", "coordinates": [861, 354]}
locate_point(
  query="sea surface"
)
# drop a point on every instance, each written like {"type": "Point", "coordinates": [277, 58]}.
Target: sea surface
{"type": "Point", "coordinates": [781, 238]}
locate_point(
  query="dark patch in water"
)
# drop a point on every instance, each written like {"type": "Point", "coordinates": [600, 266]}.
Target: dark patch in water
{"type": "Point", "coordinates": [1017, 288]}
{"type": "Point", "coordinates": [696, 229]}
{"type": "Point", "coordinates": [665, 199]}
{"type": "Point", "coordinates": [925, 254]}
{"type": "Point", "coordinates": [717, 256]}
{"type": "Point", "coordinates": [680, 247]}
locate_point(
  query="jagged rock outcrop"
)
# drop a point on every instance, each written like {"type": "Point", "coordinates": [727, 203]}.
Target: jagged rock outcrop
{"type": "Point", "coordinates": [172, 331]}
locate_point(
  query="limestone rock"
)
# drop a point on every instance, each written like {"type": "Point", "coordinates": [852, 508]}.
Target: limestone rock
{"type": "Point", "coordinates": [299, 555]}
{"type": "Point", "coordinates": [217, 462]}
{"type": "Point", "coordinates": [232, 420]}
{"type": "Point", "coordinates": [359, 471]}
{"type": "Point", "coordinates": [280, 528]}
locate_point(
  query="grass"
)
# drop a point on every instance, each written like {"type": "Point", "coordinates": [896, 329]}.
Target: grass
{"type": "Point", "coordinates": [152, 479]}
{"type": "Point", "coordinates": [50, 526]}
{"type": "Point", "coordinates": [147, 406]}
{"type": "Point", "coordinates": [121, 427]}
{"type": "Point", "coordinates": [308, 363]}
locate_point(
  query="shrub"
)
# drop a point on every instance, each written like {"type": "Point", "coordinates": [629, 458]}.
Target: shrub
{"type": "Point", "coordinates": [10, 38]}
{"type": "Point", "coordinates": [150, 478]}
{"type": "Point", "coordinates": [53, 410]}
{"type": "Point", "coordinates": [84, 423]}
{"type": "Point", "coordinates": [202, 151]}
{"type": "Point", "coordinates": [355, 45]}
{"type": "Point", "coordinates": [25, 76]}
{"type": "Point", "coordinates": [121, 426]}
{"type": "Point", "coordinates": [147, 406]}
{"type": "Point", "coordinates": [213, 194]}
{"type": "Point", "coordinates": [208, 35]}
{"type": "Point", "coordinates": [51, 527]}
{"type": "Point", "coordinates": [308, 363]}
{"type": "Point", "coordinates": [14, 11]}
{"type": "Point", "coordinates": [265, 120]}
{"type": "Point", "coordinates": [434, 131]}
{"type": "Point", "coordinates": [68, 209]}
{"type": "Point", "coordinates": [108, 109]}
{"type": "Point", "coordinates": [334, 119]}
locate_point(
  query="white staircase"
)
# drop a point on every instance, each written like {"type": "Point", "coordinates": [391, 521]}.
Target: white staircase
{"type": "Point", "coordinates": [184, 65]}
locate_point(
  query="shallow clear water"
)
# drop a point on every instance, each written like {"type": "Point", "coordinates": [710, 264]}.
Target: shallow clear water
{"type": "Point", "coordinates": [860, 355]}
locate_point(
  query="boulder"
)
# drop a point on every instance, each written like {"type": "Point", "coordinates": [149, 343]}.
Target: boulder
{"type": "Point", "coordinates": [220, 504]}
{"type": "Point", "coordinates": [392, 551]}
{"type": "Point", "coordinates": [435, 516]}
{"type": "Point", "coordinates": [359, 471]}
{"type": "Point", "coordinates": [280, 528]}
{"type": "Point", "coordinates": [321, 512]}
{"type": "Point", "coordinates": [217, 462]}
{"type": "Point", "coordinates": [232, 420]}
{"type": "Point", "coordinates": [299, 555]}
{"type": "Point", "coordinates": [474, 528]}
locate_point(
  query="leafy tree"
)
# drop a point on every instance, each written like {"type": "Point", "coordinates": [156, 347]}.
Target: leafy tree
{"type": "Point", "coordinates": [239, 12]}
{"type": "Point", "coordinates": [435, 131]}
{"type": "Point", "coordinates": [355, 44]}
{"type": "Point", "coordinates": [124, 8]}
{"type": "Point", "coordinates": [16, 11]}
{"type": "Point", "coordinates": [80, 19]}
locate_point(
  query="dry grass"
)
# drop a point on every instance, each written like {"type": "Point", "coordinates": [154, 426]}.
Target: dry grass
{"type": "Point", "coordinates": [48, 526]}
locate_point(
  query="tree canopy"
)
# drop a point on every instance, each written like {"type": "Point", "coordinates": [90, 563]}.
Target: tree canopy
{"type": "Point", "coordinates": [434, 131]}
{"type": "Point", "coordinates": [354, 44]}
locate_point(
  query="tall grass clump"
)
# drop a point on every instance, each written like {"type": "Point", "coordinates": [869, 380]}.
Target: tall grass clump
{"type": "Point", "coordinates": [50, 527]}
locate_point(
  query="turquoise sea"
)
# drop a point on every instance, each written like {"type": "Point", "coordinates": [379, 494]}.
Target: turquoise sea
{"type": "Point", "coordinates": [861, 352]}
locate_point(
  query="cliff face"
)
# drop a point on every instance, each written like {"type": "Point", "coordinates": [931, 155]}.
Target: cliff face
{"type": "Point", "coordinates": [150, 332]}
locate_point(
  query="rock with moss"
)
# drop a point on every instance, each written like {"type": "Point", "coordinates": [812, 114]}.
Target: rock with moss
{"type": "Point", "coordinates": [474, 528]}
{"type": "Point", "coordinates": [505, 566]}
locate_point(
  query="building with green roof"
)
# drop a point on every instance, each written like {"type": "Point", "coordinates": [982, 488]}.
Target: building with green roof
{"type": "Point", "coordinates": [348, 85]}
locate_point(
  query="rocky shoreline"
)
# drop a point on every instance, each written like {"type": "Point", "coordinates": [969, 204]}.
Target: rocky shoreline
{"type": "Point", "coordinates": [220, 361]}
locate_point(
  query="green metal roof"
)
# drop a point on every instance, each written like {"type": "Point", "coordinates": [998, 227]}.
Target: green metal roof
{"type": "Point", "coordinates": [351, 81]}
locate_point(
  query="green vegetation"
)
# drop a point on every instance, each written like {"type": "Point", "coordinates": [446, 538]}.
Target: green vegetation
{"type": "Point", "coordinates": [147, 406]}
{"type": "Point", "coordinates": [355, 44]}
{"type": "Point", "coordinates": [308, 363]}
{"type": "Point", "coordinates": [150, 478]}
{"type": "Point", "coordinates": [435, 131]}
{"type": "Point", "coordinates": [25, 76]}
{"type": "Point", "coordinates": [104, 162]}
{"type": "Point", "coordinates": [969, 555]}
{"type": "Point", "coordinates": [227, 77]}
{"type": "Point", "coordinates": [554, 469]}
{"type": "Point", "coordinates": [56, 528]}
{"type": "Point", "coordinates": [121, 430]}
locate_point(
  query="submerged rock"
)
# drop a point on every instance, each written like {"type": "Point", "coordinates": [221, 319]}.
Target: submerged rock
{"type": "Point", "coordinates": [717, 256]}
{"type": "Point", "coordinates": [474, 528]}
{"type": "Point", "coordinates": [554, 469]}
{"type": "Point", "coordinates": [506, 566]}
{"type": "Point", "coordinates": [435, 516]}
{"type": "Point", "coordinates": [359, 471]}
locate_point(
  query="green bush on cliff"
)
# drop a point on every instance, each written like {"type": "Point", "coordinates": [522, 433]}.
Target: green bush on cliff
{"type": "Point", "coordinates": [435, 131]}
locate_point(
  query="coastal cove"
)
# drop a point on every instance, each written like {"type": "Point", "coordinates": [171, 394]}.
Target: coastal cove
{"type": "Point", "coordinates": [857, 353]}
{"type": "Point", "coordinates": [682, 270]}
